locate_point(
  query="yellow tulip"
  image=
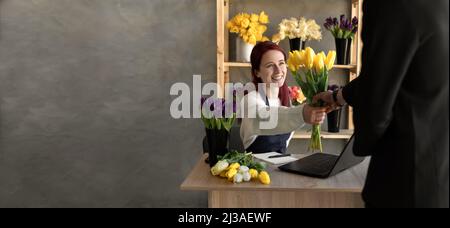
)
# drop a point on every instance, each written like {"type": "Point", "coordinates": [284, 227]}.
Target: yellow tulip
{"type": "Point", "coordinates": [265, 38]}
{"type": "Point", "coordinates": [230, 173]}
{"type": "Point", "coordinates": [264, 177]}
{"type": "Point", "coordinates": [309, 58]}
{"type": "Point", "coordinates": [234, 166]}
{"type": "Point", "coordinates": [300, 57]}
{"type": "Point", "coordinates": [253, 173]}
{"type": "Point", "coordinates": [319, 63]}
{"type": "Point", "coordinates": [323, 55]}
{"type": "Point", "coordinates": [291, 63]}
{"type": "Point", "coordinates": [329, 61]}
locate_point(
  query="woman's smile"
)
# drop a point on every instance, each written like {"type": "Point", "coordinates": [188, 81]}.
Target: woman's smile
{"type": "Point", "coordinates": [277, 78]}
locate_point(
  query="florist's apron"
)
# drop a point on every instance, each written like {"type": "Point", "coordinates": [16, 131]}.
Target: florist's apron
{"type": "Point", "coordinates": [269, 143]}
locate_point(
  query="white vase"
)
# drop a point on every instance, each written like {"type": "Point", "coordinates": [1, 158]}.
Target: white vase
{"type": "Point", "coordinates": [243, 50]}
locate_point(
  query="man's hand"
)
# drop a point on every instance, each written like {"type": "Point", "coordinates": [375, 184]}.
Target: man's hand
{"type": "Point", "coordinates": [327, 97]}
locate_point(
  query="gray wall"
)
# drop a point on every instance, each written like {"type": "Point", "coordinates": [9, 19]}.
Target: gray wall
{"type": "Point", "coordinates": [84, 97]}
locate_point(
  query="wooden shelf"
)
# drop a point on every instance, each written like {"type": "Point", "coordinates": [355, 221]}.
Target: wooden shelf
{"type": "Point", "coordinates": [237, 64]}
{"type": "Point", "coordinates": [343, 134]}
{"type": "Point", "coordinates": [224, 63]}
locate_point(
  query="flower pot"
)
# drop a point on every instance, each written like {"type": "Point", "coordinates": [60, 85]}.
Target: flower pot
{"type": "Point", "coordinates": [334, 121]}
{"type": "Point", "coordinates": [217, 144]}
{"type": "Point", "coordinates": [297, 44]}
{"type": "Point", "coordinates": [243, 50]}
{"type": "Point", "coordinates": [343, 51]}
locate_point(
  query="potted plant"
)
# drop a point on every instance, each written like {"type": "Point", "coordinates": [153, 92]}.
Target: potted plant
{"type": "Point", "coordinates": [343, 31]}
{"type": "Point", "coordinates": [334, 117]}
{"type": "Point", "coordinates": [250, 28]}
{"type": "Point", "coordinates": [298, 31]}
{"type": "Point", "coordinates": [218, 116]}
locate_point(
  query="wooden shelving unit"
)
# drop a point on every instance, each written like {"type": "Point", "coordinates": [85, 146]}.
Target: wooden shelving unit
{"type": "Point", "coordinates": [224, 64]}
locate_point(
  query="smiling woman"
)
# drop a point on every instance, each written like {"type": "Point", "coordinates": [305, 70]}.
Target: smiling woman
{"type": "Point", "coordinates": [269, 69]}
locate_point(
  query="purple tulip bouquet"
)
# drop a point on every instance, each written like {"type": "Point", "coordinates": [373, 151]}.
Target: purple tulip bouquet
{"type": "Point", "coordinates": [217, 113]}
{"type": "Point", "coordinates": [342, 29]}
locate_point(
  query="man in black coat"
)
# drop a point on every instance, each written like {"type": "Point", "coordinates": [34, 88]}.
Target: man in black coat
{"type": "Point", "coordinates": [401, 102]}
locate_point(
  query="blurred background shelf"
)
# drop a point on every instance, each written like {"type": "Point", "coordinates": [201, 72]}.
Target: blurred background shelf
{"type": "Point", "coordinates": [248, 65]}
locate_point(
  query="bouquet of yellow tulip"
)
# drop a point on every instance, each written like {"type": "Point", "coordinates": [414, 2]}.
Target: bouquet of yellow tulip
{"type": "Point", "coordinates": [311, 73]}
{"type": "Point", "coordinates": [250, 27]}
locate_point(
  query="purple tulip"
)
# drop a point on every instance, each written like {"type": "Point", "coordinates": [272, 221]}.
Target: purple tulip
{"type": "Point", "coordinates": [335, 22]}
{"type": "Point", "coordinates": [202, 101]}
{"type": "Point", "coordinates": [218, 108]}
{"type": "Point", "coordinates": [355, 21]}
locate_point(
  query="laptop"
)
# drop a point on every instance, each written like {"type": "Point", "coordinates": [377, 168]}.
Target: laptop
{"type": "Point", "coordinates": [324, 165]}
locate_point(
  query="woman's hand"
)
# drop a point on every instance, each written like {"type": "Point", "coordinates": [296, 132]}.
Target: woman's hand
{"type": "Point", "coordinates": [314, 115]}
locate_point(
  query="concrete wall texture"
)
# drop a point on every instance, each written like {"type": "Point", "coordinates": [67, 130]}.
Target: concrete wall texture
{"type": "Point", "coordinates": [84, 97]}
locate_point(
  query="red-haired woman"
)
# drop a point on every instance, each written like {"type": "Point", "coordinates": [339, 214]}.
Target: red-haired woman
{"type": "Point", "coordinates": [269, 68]}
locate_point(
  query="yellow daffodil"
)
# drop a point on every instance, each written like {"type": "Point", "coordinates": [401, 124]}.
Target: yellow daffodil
{"type": "Point", "coordinates": [234, 29]}
{"type": "Point", "coordinates": [263, 18]}
{"type": "Point", "coordinates": [245, 38]}
{"type": "Point", "coordinates": [252, 39]}
{"type": "Point", "coordinates": [254, 18]}
{"type": "Point", "coordinates": [250, 27]}
{"type": "Point", "coordinates": [245, 23]}
{"type": "Point", "coordinates": [252, 32]}
{"type": "Point", "coordinates": [276, 38]}
{"type": "Point", "coordinates": [329, 61]}
{"type": "Point", "coordinates": [262, 28]}
{"type": "Point", "coordinates": [230, 24]}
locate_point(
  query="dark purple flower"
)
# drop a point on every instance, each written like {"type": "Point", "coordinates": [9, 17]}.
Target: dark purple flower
{"type": "Point", "coordinates": [328, 23]}
{"type": "Point", "coordinates": [335, 22]}
{"type": "Point", "coordinates": [230, 109]}
{"type": "Point", "coordinates": [355, 21]}
{"type": "Point", "coordinates": [343, 25]}
{"type": "Point", "coordinates": [348, 25]}
{"type": "Point", "coordinates": [202, 101]}
{"type": "Point", "coordinates": [342, 18]}
{"type": "Point", "coordinates": [218, 108]}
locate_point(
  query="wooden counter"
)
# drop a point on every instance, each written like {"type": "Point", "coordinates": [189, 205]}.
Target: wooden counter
{"type": "Point", "coordinates": [286, 189]}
